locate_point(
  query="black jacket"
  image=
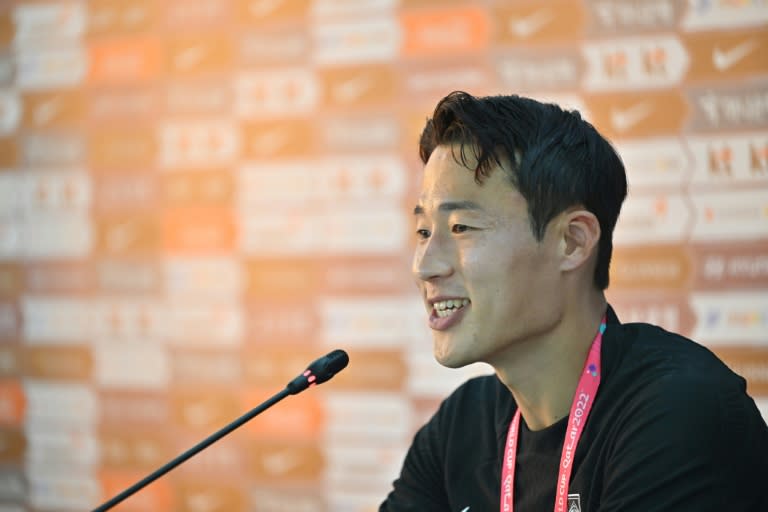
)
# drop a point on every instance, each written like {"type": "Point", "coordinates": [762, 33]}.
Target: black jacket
{"type": "Point", "coordinates": [671, 429]}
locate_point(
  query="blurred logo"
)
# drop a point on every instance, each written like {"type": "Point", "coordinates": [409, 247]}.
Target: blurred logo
{"type": "Point", "coordinates": [52, 404]}
{"type": "Point", "coordinates": [360, 132]}
{"type": "Point", "coordinates": [124, 409]}
{"type": "Point", "coordinates": [59, 277]}
{"type": "Point", "coordinates": [660, 162]}
{"type": "Point", "coordinates": [59, 191]}
{"type": "Point", "coordinates": [122, 148]}
{"type": "Point", "coordinates": [134, 102]}
{"type": "Point", "coordinates": [140, 449]}
{"type": "Point", "coordinates": [48, 21]}
{"type": "Point", "coordinates": [651, 113]}
{"type": "Point", "coordinates": [53, 149]}
{"type": "Point", "coordinates": [206, 366]}
{"type": "Point", "coordinates": [634, 63]}
{"type": "Point", "coordinates": [531, 71]}
{"type": "Point", "coordinates": [358, 86]}
{"type": "Point", "coordinates": [741, 158]}
{"type": "Point", "coordinates": [369, 322]}
{"type": "Point", "coordinates": [128, 276]}
{"type": "Point", "coordinates": [202, 276]}
{"type": "Point", "coordinates": [52, 235]}
{"type": "Point", "coordinates": [340, 231]}
{"type": "Point", "coordinates": [49, 109]}
{"type": "Point", "coordinates": [126, 235]}
{"type": "Point", "coordinates": [204, 410]}
{"type": "Point", "coordinates": [670, 311]}
{"type": "Point", "coordinates": [619, 17]}
{"type": "Point", "coordinates": [196, 144]}
{"type": "Point", "coordinates": [273, 46]}
{"type": "Point", "coordinates": [737, 53]}
{"type": "Point", "coordinates": [57, 362]}
{"type": "Point", "coordinates": [199, 54]}
{"type": "Point", "coordinates": [285, 461]}
{"type": "Point", "coordinates": [115, 17]}
{"type": "Point", "coordinates": [199, 187]}
{"type": "Point", "coordinates": [656, 267]}
{"type": "Point", "coordinates": [734, 318]}
{"type": "Point", "coordinates": [194, 323]}
{"type": "Point", "coordinates": [125, 61]}
{"type": "Point", "coordinates": [730, 215]}
{"type": "Point", "coordinates": [735, 108]}
{"type": "Point", "coordinates": [734, 265]}
{"type": "Point", "coordinates": [202, 230]}
{"type": "Point", "coordinates": [198, 98]}
{"type": "Point", "coordinates": [293, 137]}
{"type": "Point", "coordinates": [713, 14]}
{"type": "Point", "coordinates": [532, 23]}
{"type": "Point", "coordinates": [276, 93]}
{"type": "Point", "coordinates": [185, 15]}
{"type": "Point", "coordinates": [372, 40]}
{"type": "Point", "coordinates": [51, 319]}
{"type": "Point", "coordinates": [461, 29]}
{"type": "Point", "coordinates": [115, 366]}
{"type": "Point", "coordinates": [653, 218]}
{"type": "Point", "coordinates": [290, 322]}
{"type": "Point", "coordinates": [125, 191]}
{"type": "Point", "coordinates": [10, 111]}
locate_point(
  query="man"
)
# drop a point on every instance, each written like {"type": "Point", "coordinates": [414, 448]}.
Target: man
{"type": "Point", "coordinates": [514, 224]}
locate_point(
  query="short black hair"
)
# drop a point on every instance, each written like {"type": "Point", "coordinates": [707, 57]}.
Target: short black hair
{"type": "Point", "coordinates": [557, 159]}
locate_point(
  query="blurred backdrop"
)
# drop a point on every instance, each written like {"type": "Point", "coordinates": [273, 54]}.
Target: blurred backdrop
{"type": "Point", "coordinates": [197, 198]}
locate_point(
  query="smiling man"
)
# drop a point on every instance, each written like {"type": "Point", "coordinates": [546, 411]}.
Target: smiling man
{"type": "Point", "coordinates": [514, 231]}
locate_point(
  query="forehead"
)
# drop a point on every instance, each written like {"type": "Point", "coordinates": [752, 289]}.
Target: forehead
{"type": "Point", "coordinates": [446, 180]}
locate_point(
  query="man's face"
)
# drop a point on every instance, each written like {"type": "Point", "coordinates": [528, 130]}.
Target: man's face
{"type": "Point", "coordinates": [487, 283]}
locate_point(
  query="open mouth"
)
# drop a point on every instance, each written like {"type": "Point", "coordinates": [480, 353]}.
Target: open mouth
{"type": "Point", "coordinates": [446, 308]}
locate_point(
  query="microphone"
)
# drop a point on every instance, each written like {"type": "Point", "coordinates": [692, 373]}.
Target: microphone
{"type": "Point", "coordinates": [319, 371]}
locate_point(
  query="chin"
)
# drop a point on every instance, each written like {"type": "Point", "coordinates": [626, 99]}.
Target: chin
{"type": "Point", "coordinates": [450, 358]}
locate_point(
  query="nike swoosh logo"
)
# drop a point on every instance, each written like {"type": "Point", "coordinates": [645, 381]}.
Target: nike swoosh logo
{"type": "Point", "coordinates": [352, 89]}
{"type": "Point", "coordinates": [724, 59]}
{"type": "Point", "coordinates": [189, 57]}
{"type": "Point", "coordinates": [465, 510]}
{"type": "Point", "coordinates": [527, 26]}
{"type": "Point", "coordinates": [625, 119]}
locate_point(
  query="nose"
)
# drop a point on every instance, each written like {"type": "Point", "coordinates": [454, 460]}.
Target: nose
{"type": "Point", "coordinates": [431, 260]}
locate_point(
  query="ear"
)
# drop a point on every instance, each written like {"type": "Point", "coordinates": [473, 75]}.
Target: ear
{"type": "Point", "coordinates": [581, 234]}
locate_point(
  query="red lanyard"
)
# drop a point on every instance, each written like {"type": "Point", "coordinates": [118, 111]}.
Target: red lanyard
{"type": "Point", "coordinates": [582, 404]}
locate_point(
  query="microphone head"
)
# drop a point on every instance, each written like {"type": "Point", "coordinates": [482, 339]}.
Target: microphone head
{"type": "Point", "coordinates": [326, 367]}
{"type": "Point", "coordinates": [319, 371]}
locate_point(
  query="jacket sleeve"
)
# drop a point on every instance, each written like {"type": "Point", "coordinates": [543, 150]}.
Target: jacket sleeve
{"type": "Point", "coordinates": [688, 444]}
{"type": "Point", "coordinates": [421, 484]}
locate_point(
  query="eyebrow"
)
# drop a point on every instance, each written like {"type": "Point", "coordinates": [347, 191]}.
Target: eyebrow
{"type": "Point", "coordinates": [451, 206]}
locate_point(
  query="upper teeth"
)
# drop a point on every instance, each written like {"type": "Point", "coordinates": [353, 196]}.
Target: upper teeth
{"type": "Point", "coordinates": [450, 303]}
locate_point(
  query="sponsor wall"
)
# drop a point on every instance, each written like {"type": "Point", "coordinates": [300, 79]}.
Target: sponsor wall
{"type": "Point", "coordinates": [199, 197]}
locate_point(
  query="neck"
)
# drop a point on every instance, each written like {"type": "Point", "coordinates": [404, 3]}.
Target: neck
{"type": "Point", "coordinates": [542, 372]}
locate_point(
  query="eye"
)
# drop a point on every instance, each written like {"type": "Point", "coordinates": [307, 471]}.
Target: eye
{"type": "Point", "coordinates": [459, 228]}
{"type": "Point", "coordinates": [422, 234]}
